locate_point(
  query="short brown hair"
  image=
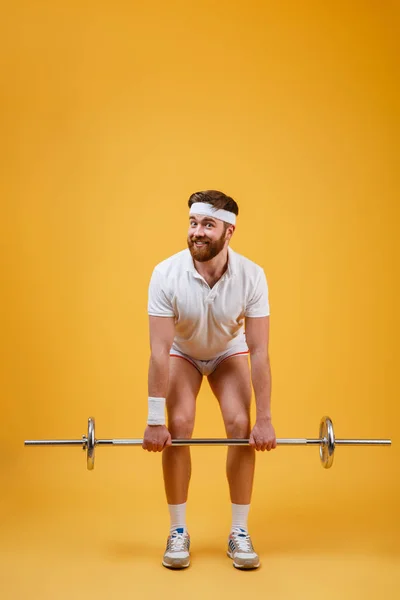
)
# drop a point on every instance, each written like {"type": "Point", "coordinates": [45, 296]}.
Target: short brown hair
{"type": "Point", "coordinates": [216, 198]}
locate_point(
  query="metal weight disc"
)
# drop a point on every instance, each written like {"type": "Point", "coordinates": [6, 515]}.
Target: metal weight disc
{"type": "Point", "coordinates": [91, 443]}
{"type": "Point", "coordinates": [327, 446]}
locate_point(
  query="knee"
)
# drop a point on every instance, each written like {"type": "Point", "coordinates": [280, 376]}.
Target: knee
{"type": "Point", "coordinates": [181, 426]}
{"type": "Point", "coordinates": [238, 426]}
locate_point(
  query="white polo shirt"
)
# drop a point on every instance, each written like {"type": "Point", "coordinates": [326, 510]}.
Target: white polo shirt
{"type": "Point", "coordinates": [208, 321]}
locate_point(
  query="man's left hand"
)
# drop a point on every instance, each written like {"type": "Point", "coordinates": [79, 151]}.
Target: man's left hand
{"type": "Point", "coordinates": [263, 436]}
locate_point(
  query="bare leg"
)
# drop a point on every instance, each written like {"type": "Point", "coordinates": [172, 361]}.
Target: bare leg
{"type": "Point", "coordinates": [184, 385]}
{"type": "Point", "coordinates": [231, 384]}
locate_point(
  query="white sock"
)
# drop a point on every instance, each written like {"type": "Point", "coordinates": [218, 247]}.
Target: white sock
{"type": "Point", "coordinates": [240, 513]}
{"type": "Point", "coordinates": [177, 513]}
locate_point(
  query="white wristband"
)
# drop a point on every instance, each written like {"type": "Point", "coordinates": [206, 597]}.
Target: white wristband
{"type": "Point", "coordinates": [156, 414]}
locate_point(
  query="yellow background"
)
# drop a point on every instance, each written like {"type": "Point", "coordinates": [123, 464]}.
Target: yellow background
{"type": "Point", "coordinates": [113, 113]}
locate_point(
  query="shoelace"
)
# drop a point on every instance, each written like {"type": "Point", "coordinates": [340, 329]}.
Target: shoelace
{"type": "Point", "coordinates": [243, 541]}
{"type": "Point", "coordinates": [177, 542]}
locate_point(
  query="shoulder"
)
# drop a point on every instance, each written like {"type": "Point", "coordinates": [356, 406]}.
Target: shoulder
{"type": "Point", "coordinates": [245, 267]}
{"type": "Point", "coordinates": [173, 265]}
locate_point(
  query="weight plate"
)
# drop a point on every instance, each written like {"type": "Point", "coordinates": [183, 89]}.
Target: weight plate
{"type": "Point", "coordinates": [91, 443]}
{"type": "Point", "coordinates": [327, 446]}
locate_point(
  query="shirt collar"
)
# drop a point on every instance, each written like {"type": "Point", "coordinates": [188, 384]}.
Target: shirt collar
{"type": "Point", "coordinates": [232, 263]}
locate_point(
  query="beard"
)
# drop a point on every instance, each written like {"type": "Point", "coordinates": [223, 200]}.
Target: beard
{"type": "Point", "coordinates": [208, 251]}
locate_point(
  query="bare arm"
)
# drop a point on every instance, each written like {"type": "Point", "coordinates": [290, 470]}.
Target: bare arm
{"type": "Point", "coordinates": [162, 331]}
{"type": "Point", "coordinates": [257, 337]}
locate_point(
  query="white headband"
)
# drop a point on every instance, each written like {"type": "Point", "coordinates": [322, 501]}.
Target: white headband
{"type": "Point", "coordinates": [201, 208]}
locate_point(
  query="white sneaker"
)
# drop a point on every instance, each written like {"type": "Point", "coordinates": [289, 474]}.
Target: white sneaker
{"type": "Point", "coordinates": [176, 555]}
{"type": "Point", "coordinates": [241, 551]}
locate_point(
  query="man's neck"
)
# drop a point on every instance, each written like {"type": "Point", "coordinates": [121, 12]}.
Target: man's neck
{"type": "Point", "coordinates": [213, 269]}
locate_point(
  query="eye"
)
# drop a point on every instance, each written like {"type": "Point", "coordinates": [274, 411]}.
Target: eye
{"type": "Point", "coordinates": [210, 224]}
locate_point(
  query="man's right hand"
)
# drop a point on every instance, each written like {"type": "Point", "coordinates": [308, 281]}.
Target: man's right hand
{"type": "Point", "coordinates": [156, 438]}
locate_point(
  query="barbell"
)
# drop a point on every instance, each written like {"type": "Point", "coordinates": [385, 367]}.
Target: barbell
{"type": "Point", "coordinates": [326, 442]}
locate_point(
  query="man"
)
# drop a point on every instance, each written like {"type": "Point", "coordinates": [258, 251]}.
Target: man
{"type": "Point", "coordinates": [200, 299]}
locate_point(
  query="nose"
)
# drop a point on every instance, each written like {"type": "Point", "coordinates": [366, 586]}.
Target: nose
{"type": "Point", "coordinates": [198, 231]}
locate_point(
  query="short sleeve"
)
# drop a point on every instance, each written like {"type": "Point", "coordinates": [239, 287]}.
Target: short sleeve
{"type": "Point", "coordinates": [159, 305]}
{"type": "Point", "coordinates": [258, 304]}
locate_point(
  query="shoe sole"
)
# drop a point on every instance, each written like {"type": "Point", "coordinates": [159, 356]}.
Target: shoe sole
{"type": "Point", "coordinates": [176, 567]}
{"type": "Point", "coordinates": [243, 567]}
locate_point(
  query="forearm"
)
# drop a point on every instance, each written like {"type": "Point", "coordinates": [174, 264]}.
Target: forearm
{"type": "Point", "coordinates": [158, 375]}
{"type": "Point", "coordinates": [261, 379]}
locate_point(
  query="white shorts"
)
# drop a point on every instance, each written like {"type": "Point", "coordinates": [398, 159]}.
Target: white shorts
{"type": "Point", "coordinates": [206, 367]}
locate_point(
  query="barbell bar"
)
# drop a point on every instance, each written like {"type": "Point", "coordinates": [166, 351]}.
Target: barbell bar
{"type": "Point", "coordinates": [326, 442]}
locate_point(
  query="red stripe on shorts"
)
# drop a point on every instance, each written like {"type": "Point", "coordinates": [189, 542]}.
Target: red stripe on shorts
{"type": "Point", "coordinates": [236, 354]}
{"type": "Point", "coordinates": [187, 360]}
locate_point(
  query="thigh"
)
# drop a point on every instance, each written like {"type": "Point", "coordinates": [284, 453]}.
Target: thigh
{"type": "Point", "coordinates": [183, 388]}
{"type": "Point", "coordinates": [231, 384]}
